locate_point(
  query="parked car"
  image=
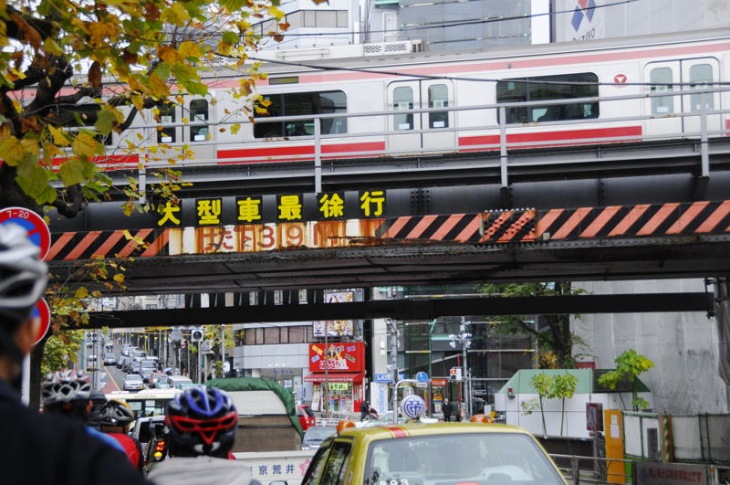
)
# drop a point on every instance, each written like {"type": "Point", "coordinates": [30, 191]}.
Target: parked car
{"type": "Point", "coordinates": [179, 382]}
{"type": "Point", "coordinates": [133, 382]}
{"type": "Point", "coordinates": [127, 364]}
{"type": "Point", "coordinates": [306, 416]}
{"type": "Point", "coordinates": [154, 380]}
{"type": "Point", "coordinates": [146, 368]}
{"type": "Point", "coordinates": [315, 435]}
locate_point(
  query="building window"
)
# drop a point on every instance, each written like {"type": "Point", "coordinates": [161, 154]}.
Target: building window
{"type": "Point", "coordinates": [549, 88]}
{"type": "Point", "coordinates": [297, 104]}
{"type": "Point", "coordinates": [271, 335]}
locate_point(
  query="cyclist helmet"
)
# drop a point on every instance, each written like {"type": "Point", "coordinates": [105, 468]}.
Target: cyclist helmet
{"type": "Point", "coordinates": [201, 421]}
{"type": "Point", "coordinates": [23, 276]}
{"type": "Point", "coordinates": [65, 386]}
{"type": "Point", "coordinates": [116, 413]}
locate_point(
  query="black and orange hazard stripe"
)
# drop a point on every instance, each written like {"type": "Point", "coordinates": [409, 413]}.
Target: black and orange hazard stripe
{"type": "Point", "coordinates": [70, 246]}
{"type": "Point", "coordinates": [517, 226]}
{"type": "Point", "coordinates": [453, 228]}
{"type": "Point", "coordinates": [642, 220]}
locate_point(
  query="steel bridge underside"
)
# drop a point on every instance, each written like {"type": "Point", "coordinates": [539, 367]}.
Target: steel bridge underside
{"type": "Point", "coordinates": [585, 176]}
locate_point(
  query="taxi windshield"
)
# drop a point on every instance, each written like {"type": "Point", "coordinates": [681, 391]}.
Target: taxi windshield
{"type": "Point", "coordinates": [488, 459]}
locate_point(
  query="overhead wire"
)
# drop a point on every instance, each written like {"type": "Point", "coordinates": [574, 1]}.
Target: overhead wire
{"type": "Point", "coordinates": [455, 23]}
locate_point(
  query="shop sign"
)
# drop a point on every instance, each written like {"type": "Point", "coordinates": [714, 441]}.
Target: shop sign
{"type": "Point", "coordinates": [337, 357]}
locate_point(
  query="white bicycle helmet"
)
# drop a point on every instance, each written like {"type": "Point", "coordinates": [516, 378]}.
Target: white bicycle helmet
{"type": "Point", "coordinates": [65, 386]}
{"type": "Point", "coordinates": [23, 276]}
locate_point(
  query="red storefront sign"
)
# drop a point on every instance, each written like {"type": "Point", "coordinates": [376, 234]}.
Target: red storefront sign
{"type": "Point", "coordinates": [337, 357]}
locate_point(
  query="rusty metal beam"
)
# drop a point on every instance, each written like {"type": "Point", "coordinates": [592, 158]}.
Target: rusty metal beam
{"type": "Point", "coordinates": [412, 309]}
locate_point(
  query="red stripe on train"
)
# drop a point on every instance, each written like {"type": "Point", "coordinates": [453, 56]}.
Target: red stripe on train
{"type": "Point", "coordinates": [553, 136]}
{"type": "Point", "coordinates": [270, 153]}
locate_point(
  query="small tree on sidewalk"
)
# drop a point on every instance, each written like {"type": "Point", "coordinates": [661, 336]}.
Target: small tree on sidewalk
{"type": "Point", "coordinates": [559, 386]}
{"type": "Point", "coordinates": [629, 365]}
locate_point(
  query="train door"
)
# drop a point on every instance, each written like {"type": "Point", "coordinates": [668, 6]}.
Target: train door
{"type": "Point", "coordinates": [417, 131]}
{"type": "Point", "coordinates": [671, 76]}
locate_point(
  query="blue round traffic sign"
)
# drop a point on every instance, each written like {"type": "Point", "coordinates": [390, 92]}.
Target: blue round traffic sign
{"type": "Point", "coordinates": [33, 224]}
{"type": "Point", "coordinates": [421, 377]}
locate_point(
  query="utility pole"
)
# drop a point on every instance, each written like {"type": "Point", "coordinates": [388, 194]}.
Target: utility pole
{"type": "Point", "coordinates": [393, 335]}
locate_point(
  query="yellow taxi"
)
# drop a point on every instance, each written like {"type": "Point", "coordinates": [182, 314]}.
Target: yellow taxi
{"type": "Point", "coordinates": [416, 453]}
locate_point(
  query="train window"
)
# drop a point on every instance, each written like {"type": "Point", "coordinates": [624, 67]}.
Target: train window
{"type": "Point", "coordinates": [166, 134]}
{"type": "Point", "coordinates": [403, 101]}
{"type": "Point", "coordinates": [661, 81]}
{"type": "Point", "coordinates": [438, 97]}
{"type": "Point", "coordinates": [700, 77]}
{"type": "Point", "coordinates": [298, 104]}
{"type": "Point", "coordinates": [198, 118]}
{"type": "Point", "coordinates": [549, 88]}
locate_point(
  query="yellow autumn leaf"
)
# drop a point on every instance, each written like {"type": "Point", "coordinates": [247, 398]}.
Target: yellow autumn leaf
{"type": "Point", "coordinates": [81, 293]}
{"type": "Point", "coordinates": [100, 31]}
{"type": "Point", "coordinates": [170, 55]}
{"type": "Point", "coordinates": [85, 145]}
{"type": "Point", "coordinates": [12, 151]}
{"type": "Point", "coordinates": [176, 15]}
{"type": "Point", "coordinates": [59, 136]}
{"type": "Point", "coordinates": [189, 49]}
{"type": "Point", "coordinates": [119, 278]}
{"type": "Point", "coordinates": [50, 46]}
{"type": "Point", "coordinates": [157, 87]}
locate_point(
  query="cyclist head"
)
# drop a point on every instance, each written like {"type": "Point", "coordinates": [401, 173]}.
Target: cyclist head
{"type": "Point", "coordinates": [201, 421]}
{"type": "Point", "coordinates": [115, 415]}
{"type": "Point", "coordinates": [23, 278]}
{"type": "Point", "coordinates": [67, 392]}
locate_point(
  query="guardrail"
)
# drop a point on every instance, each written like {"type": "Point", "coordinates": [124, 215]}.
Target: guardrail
{"type": "Point", "coordinates": [598, 470]}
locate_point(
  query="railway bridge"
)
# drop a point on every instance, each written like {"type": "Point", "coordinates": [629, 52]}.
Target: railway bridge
{"type": "Point", "coordinates": [598, 212]}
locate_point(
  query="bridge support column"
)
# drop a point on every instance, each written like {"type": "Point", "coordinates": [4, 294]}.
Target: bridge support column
{"type": "Point", "coordinates": [722, 316]}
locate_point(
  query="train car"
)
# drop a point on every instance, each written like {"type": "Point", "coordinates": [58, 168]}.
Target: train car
{"type": "Point", "coordinates": [416, 104]}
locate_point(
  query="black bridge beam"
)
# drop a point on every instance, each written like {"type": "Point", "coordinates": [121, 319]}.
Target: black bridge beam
{"type": "Point", "coordinates": [411, 309]}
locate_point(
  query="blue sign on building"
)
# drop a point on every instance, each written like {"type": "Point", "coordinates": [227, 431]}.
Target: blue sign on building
{"type": "Point", "coordinates": [383, 378]}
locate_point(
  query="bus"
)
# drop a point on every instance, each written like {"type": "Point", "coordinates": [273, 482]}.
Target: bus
{"type": "Point", "coordinates": [147, 402]}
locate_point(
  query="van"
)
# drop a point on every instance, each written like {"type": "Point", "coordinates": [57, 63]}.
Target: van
{"type": "Point", "coordinates": [179, 382]}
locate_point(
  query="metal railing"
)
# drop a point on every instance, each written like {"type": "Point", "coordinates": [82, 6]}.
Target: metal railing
{"type": "Point", "coordinates": [598, 470]}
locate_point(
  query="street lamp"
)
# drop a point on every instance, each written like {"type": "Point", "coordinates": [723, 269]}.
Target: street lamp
{"type": "Point", "coordinates": [463, 339]}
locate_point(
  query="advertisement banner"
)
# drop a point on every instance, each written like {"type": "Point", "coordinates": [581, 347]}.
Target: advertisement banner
{"type": "Point", "coordinates": [337, 357]}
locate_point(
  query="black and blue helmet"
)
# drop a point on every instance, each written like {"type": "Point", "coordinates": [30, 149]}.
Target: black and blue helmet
{"type": "Point", "coordinates": [201, 421]}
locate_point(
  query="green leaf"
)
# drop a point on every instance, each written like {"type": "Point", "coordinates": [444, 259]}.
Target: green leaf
{"type": "Point", "coordinates": [188, 77]}
{"type": "Point", "coordinates": [73, 171]}
{"type": "Point", "coordinates": [108, 118]}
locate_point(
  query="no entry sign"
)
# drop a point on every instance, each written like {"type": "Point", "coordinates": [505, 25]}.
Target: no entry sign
{"type": "Point", "coordinates": [42, 312]}
{"type": "Point", "coordinates": [34, 224]}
